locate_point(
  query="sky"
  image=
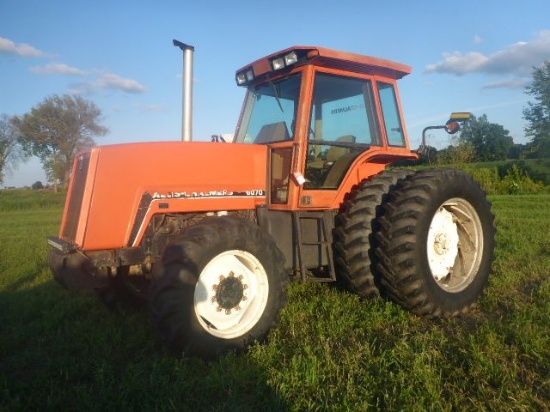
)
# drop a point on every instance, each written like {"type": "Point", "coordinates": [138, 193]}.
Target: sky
{"type": "Point", "coordinates": [472, 55]}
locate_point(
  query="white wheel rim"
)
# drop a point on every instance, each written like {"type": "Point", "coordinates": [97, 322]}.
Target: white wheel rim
{"type": "Point", "coordinates": [231, 294]}
{"type": "Point", "coordinates": [455, 245]}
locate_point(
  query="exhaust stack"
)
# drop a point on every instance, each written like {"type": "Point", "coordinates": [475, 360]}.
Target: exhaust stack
{"type": "Point", "coordinates": [187, 102]}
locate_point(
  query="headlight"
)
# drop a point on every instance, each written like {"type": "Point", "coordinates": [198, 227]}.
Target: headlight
{"type": "Point", "coordinates": [241, 78]}
{"type": "Point", "coordinates": [245, 76]}
{"type": "Point", "coordinates": [284, 61]}
{"type": "Point", "coordinates": [278, 63]}
{"type": "Point", "coordinates": [291, 58]}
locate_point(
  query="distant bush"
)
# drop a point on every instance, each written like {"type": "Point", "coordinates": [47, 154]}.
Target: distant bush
{"type": "Point", "coordinates": [519, 177]}
{"type": "Point", "coordinates": [37, 185]}
{"type": "Point", "coordinates": [512, 180]}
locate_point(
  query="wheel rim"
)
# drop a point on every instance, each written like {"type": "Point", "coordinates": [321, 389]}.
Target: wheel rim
{"type": "Point", "coordinates": [231, 294]}
{"type": "Point", "coordinates": [455, 245]}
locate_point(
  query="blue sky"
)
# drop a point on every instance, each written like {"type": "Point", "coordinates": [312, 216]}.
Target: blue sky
{"type": "Point", "coordinates": [470, 55]}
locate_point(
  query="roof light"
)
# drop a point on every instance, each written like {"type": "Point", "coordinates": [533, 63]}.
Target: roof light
{"type": "Point", "coordinates": [284, 61]}
{"type": "Point", "coordinates": [241, 78]}
{"type": "Point", "coordinates": [278, 63]}
{"type": "Point", "coordinates": [245, 76]}
{"type": "Point", "coordinates": [291, 58]}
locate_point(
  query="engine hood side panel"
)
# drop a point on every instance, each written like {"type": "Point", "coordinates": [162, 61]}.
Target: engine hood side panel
{"type": "Point", "coordinates": [133, 182]}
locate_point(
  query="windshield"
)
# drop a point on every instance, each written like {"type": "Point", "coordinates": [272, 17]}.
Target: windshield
{"type": "Point", "coordinates": [270, 112]}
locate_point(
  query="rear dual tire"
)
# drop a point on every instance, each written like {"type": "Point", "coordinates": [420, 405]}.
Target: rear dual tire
{"type": "Point", "coordinates": [355, 230]}
{"type": "Point", "coordinates": [436, 243]}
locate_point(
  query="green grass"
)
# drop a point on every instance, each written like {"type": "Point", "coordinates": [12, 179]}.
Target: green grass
{"type": "Point", "coordinates": [332, 351]}
{"type": "Point", "coordinates": [17, 200]}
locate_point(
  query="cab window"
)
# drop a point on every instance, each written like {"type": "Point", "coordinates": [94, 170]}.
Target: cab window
{"type": "Point", "coordinates": [390, 110]}
{"type": "Point", "coordinates": [342, 125]}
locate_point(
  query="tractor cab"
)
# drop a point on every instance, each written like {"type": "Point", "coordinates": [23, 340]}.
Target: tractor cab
{"type": "Point", "coordinates": [330, 120]}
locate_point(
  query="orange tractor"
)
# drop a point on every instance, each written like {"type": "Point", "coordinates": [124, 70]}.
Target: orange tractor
{"type": "Point", "coordinates": [210, 233]}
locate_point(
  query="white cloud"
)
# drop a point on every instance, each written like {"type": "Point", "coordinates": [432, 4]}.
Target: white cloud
{"type": "Point", "coordinates": [458, 63]}
{"type": "Point", "coordinates": [58, 68]}
{"type": "Point", "coordinates": [477, 39]}
{"type": "Point", "coordinates": [113, 81]}
{"type": "Point", "coordinates": [107, 81]}
{"type": "Point", "coordinates": [513, 83]}
{"type": "Point", "coordinates": [7, 46]}
{"type": "Point", "coordinates": [517, 59]}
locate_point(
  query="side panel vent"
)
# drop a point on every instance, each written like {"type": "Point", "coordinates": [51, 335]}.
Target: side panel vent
{"type": "Point", "coordinates": [74, 206]}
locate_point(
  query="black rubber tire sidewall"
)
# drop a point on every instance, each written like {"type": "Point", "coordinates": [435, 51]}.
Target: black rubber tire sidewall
{"type": "Point", "coordinates": [356, 225]}
{"type": "Point", "coordinates": [172, 296]}
{"type": "Point", "coordinates": [409, 280]}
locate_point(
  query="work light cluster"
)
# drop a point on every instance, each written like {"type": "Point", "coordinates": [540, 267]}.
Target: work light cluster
{"type": "Point", "coordinates": [280, 62]}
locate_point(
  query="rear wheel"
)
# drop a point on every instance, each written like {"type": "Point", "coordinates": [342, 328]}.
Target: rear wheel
{"type": "Point", "coordinates": [356, 224]}
{"type": "Point", "coordinates": [436, 243]}
{"type": "Point", "coordinates": [221, 287]}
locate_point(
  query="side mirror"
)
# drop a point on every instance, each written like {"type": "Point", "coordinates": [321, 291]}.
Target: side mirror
{"type": "Point", "coordinates": [452, 127]}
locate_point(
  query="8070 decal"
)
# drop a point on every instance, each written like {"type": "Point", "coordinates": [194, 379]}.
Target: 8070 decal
{"type": "Point", "coordinates": [255, 192]}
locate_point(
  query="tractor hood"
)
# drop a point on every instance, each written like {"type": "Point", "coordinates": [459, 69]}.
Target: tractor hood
{"type": "Point", "coordinates": [130, 183]}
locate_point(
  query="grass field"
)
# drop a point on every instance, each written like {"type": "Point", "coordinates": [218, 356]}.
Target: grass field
{"type": "Point", "coordinates": [332, 352]}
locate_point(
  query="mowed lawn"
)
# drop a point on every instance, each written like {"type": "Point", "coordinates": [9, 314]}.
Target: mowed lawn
{"type": "Point", "coordinates": [332, 351]}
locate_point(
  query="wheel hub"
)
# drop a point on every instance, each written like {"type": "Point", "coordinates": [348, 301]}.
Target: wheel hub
{"type": "Point", "coordinates": [229, 293]}
{"type": "Point", "coordinates": [443, 243]}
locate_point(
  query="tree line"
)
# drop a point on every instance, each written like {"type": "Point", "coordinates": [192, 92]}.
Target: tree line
{"type": "Point", "coordinates": [56, 129]}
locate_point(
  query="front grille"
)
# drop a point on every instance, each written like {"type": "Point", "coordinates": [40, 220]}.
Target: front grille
{"type": "Point", "coordinates": [80, 173]}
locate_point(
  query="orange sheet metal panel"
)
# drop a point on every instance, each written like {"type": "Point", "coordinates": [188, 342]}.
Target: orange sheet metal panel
{"type": "Point", "coordinates": [132, 182]}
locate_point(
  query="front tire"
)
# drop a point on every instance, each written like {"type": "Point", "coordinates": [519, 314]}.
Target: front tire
{"type": "Point", "coordinates": [436, 243]}
{"type": "Point", "coordinates": [221, 287]}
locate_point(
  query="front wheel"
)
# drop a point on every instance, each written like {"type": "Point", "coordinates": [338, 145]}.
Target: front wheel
{"type": "Point", "coordinates": [436, 243]}
{"type": "Point", "coordinates": [221, 287]}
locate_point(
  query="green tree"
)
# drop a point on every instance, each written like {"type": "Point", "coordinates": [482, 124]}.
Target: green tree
{"type": "Point", "coordinates": [428, 155]}
{"type": "Point", "coordinates": [459, 152]}
{"type": "Point", "coordinates": [490, 141]}
{"type": "Point", "coordinates": [518, 151]}
{"type": "Point", "coordinates": [537, 113]}
{"type": "Point", "coordinates": [56, 130]}
{"type": "Point", "coordinates": [10, 150]}
{"type": "Point", "coordinates": [37, 185]}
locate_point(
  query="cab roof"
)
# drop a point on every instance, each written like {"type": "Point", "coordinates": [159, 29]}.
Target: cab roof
{"type": "Point", "coordinates": [330, 58]}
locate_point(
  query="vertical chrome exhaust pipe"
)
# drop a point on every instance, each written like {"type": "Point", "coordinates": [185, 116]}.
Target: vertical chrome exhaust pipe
{"type": "Point", "coordinates": [187, 101]}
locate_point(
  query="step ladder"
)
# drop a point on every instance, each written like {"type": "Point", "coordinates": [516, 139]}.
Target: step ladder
{"type": "Point", "coordinates": [322, 240]}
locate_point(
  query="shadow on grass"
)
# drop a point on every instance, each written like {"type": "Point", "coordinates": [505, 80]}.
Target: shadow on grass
{"type": "Point", "coordinates": [61, 350]}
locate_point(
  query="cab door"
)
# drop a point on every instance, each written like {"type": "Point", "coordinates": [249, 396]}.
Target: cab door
{"type": "Point", "coordinates": [343, 125]}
